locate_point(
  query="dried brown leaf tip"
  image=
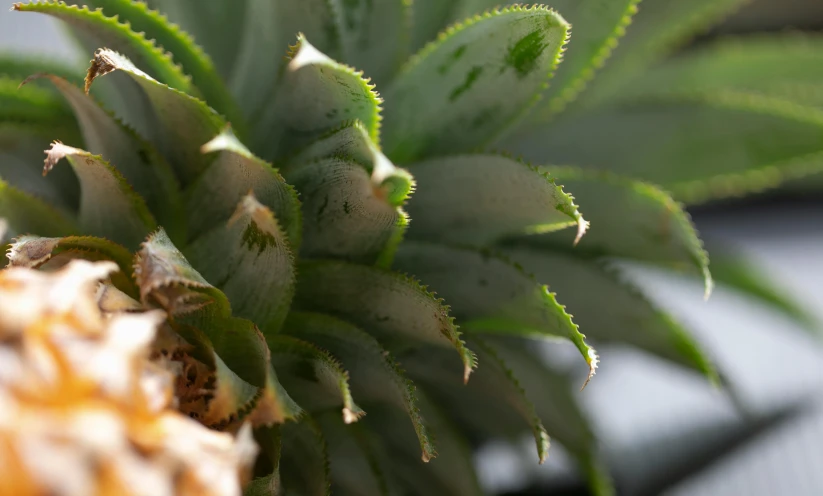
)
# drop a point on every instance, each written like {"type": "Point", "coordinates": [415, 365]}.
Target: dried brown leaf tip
{"type": "Point", "coordinates": [31, 251]}
{"type": "Point", "coordinates": [57, 152]}
{"type": "Point", "coordinates": [102, 64]}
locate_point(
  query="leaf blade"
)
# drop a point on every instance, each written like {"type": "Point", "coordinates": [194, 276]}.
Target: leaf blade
{"type": "Point", "coordinates": [484, 80]}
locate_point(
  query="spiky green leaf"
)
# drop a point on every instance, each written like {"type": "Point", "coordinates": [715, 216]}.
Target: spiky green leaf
{"type": "Point", "coordinates": [317, 380]}
{"type": "Point", "coordinates": [346, 215]}
{"type": "Point", "coordinates": [357, 465]}
{"type": "Point", "coordinates": [564, 418]}
{"type": "Point", "coordinates": [479, 199]}
{"type": "Point", "coordinates": [375, 35]}
{"type": "Point", "coordinates": [192, 59]}
{"type": "Point", "coordinates": [235, 172]}
{"type": "Point", "coordinates": [250, 260]}
{"type": "Point", "coordinates": [629, 219]}
{"type": "Point", "coordinates": [393, 307]}
{"type": "Point", "coordinates": [492, 403]}
{"type": "Point", "coordinates": [304, 462]}
{"type": "Point", "coordinates": [700, 146]}
{"type": "Point", "coordinates": [490, 294]}
{"type": "Point", "coordinates": [622, 316]}
{"type": "Point", "coordinates": [452, 472]}
{"type": "Point", "coordinates": [24, 213]}
{"type": "Point", "coordinates": [597, 28]}
{"type": "Point", "coordinates": [660, 27]}
{"type": "Point", "coordinates": [487, 72]}
{"type": "Point", "coordinates": [315, 95]}
{"type": "Point", "coordinates": [186, 122]}
{"type": "Point", "coordinates": [269, 28]}
{"type": "Point", "coordinates": [788, 67]}
{"type": "Point", "coordinates": [375, 376]}
{"type": "Point", "coordinates": [109, 207]}
{"type": "Point", "coordinates": [136, 159]}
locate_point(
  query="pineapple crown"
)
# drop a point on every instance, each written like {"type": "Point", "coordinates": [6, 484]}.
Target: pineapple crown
{"type": "Point", "coordinates": [313, 243]}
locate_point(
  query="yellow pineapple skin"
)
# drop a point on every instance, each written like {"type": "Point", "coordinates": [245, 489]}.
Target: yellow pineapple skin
{"type": "Point", "coordinates": [83, 408]}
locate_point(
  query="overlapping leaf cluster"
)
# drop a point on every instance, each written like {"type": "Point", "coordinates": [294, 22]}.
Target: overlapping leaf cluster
{"type": "Point", "coordinates": [296, 227]}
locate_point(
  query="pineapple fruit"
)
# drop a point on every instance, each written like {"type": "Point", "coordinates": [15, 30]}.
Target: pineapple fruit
{"type": "Point", "coordinates": [359, 284]}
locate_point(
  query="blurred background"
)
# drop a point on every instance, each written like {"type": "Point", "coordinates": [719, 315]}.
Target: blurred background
{"type": "Point", "coordinates": [665, 431]}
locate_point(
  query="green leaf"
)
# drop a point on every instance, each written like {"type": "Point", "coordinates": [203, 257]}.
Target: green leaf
{"type": "Point", "coordinates": [701, 147]}
{"type": "Point", "coordinates": [629, 219]}
{"type": "Point", "coordinates": [275, 405]}
{"type": "Point", "coordinates": [304, 463]}
{"type": "Point", "coordinates": [216, 26]}
{"type": "Point", "coordinates": [375, 376]}
{"type": "Point", "coordinates": [785, 66]}
{"type": "Point", "coordinates": [609, 309]}
{"type": "Point", "coordinates": [36, 252]}
{"type": "Point", "coordinates": [108, 31]}
{"type": "Point", "coordinates": [478, 199]}
{"type": "Point", "coordinates": [18, 67]}
{"type": "Point", "coordinates": [269, 29]}
{"type": "Point", "coordinates": [733, 269]}
{"type": "Point", "coordinates": [133, 157]}
{"type": "Point", "coordinates": [186, 122]}
{"type": "Point", "coordinates": [597, 28]}
{"type": "Point", "coordinates": [375, 35]}
{"type": "Point", "coordinates": [30, 105]}
{"type": "Point", "coordinates": [269, 440]}
{"type": "Point", "coordinates": [315, 95]}
{"type": "Point", "coordinates": [21, 155]}
{"type": "Point", "coordinates": [386, 304]}
{"type": "Point", "coordinates": [659, 28]}
{"type": "Point", "coordinates": [180, 45]}
{"type": "Point", "coordinates": [357, 465]}
{"type": "Point", "coordinates": [318, 381]}
{"type": "Point", "coordinates": [451, 473]}
{"type": "Point", "coordinates": [109, 207]}
{"type": "Point", "coordinates": [346, 215]}
{"type": "Point", "coordinates": [558, 407]}
{"type": "Point", "coordinates": [168, 280]}
{"type": "Point", "coordinates": [235, 171]}
{"type": "Point", "coordinates": [493, 403]}
{"type": "Point", "coordinates": [478, 78]}
{"type": "Point", "coordinates": [428, 18]}
{"type": "Point", "coordinates": [490, 294]}
{"type": "Point", "coordinates": [25, 213]}
{"type": "Point", "coordinates": [250, 260]}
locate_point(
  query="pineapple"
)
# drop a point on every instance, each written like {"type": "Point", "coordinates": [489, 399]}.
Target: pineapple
{"type": "Point", "coordinates": [361, 280]}
{"type": "Point", "coordinates": [84, 409]}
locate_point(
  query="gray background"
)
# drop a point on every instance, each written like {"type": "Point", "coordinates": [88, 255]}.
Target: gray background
{"type": "Point", "coordinates": [649, 415]}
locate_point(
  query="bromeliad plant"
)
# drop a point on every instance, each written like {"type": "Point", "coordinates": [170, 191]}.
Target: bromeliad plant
{"type": "Point", "coordinates": [260, 202]}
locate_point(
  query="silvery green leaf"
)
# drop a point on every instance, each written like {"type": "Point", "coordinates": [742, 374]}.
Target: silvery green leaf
{"type": "Point", "coordinates": [109, 207]}
{"type": "Point", "coordinates": [186, 122]}
{"type": "Point", "coordinates": [136, 159]}
{"type": "Point", "coordinates": [24, 213]}
{"type": "Point", "coordinates": [391, 306]}
{"type": "Point", "coordinates": [233, 173]}
{"type": "Point", "coordinates": [250, 260]}
{"type": "Point", "coordinates": [375, 35]}
{"type": "Point", "coordinates": [375, 376]}
{"type": "Point", "coordinates": [268, 30]}
{"type": "Point", "coordinates": [479, 199]}
{"type": "Point", "coordinates": [489, 294]}
{"type": "Point", "coordinates": [623, 314]}
{"type": "Point", "coordinates": [315, 95]}
{"type": "Point", "coordinates": [487, 72]}
{"type": "Point", "coordinates": [629, 219]}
